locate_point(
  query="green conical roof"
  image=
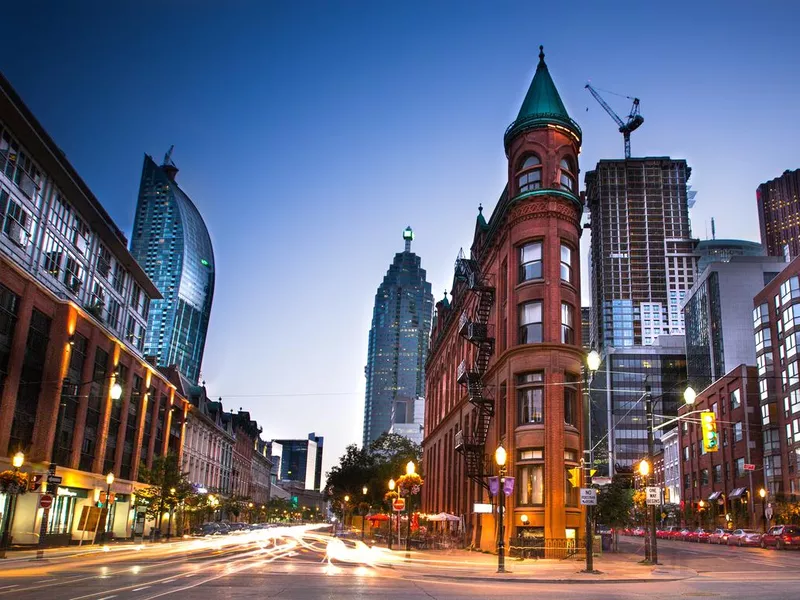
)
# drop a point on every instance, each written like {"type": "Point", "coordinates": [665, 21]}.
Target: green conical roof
{"type": "Point", "coordinates": [542, 105]}
{"type": "Point", "coordinates": [542, 97]}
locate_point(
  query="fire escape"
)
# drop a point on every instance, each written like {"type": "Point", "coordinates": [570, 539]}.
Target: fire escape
{"type": "Point", "coordinates": [476, 331]}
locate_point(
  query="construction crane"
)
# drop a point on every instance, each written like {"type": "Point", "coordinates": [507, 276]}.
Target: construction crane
{"type": "Point", "coordinates": [635, 120]}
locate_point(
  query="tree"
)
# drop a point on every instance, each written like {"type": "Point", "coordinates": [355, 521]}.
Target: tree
{"type": "Point", "coordinates": [164, 477]}
{"type": "Point", "coordinates": [615, 504]}
{"type": "Point", "coordinates": [356, 469]}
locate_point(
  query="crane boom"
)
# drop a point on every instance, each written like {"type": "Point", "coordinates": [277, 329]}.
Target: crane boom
{"type": "Point", "coordinates": [634, 118]}
{"type": "Point", "coordinates": [602, 103]}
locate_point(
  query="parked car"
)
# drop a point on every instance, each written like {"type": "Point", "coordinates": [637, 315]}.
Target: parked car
{"type": "Point", "coordinates": [682, 534]}
{"type": "Point", "coordinates": [781, 537]}
{"type": "Point", "coordinates": [719, 536]}
{"type": "Point", "coordinates": [667, 533]}
{"type": "Point", "coordinates": [744, 537]}
{"type": "Point", "coordinates": [701, 535]}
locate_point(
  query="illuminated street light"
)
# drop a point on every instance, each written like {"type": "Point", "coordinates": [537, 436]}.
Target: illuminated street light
{"type": "Point", "coordinates": [411, 468]}
{"type": "Point", "coordinates": [689, 395]}
{"type": "Point", "coordinates": [644, 468]}
{"type": "Point", "coordinates": [116, 391]}
{"type": "Point", "coordinates": [500, 457]}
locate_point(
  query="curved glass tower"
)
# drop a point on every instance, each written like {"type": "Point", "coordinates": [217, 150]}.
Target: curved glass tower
{"type": "Point", "coordinates": [398, 344]}
{"type": "Point", "coordinates": [171, 242]}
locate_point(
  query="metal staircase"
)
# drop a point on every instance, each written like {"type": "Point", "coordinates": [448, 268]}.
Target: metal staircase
{"type": "Point", "coordinates": [472, 444]}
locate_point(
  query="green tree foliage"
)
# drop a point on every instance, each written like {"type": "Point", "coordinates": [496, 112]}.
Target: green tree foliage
{"type": "Point", "coordinates": [615, 504]}
{"type": "Point", "coordinates": [384, 459]}
{"type": "Point", "coordinates": [164, 476]}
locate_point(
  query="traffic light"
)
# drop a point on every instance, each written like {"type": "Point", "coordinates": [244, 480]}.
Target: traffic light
{"type": "Point", "coordinates": [708, 421]}
{"type": "Point", "coordinates": [575, 476]}
{"type": "Point", "coordinates": [294, 501]}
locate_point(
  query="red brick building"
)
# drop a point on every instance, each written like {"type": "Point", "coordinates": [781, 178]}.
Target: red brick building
{"type": "Point", "coordinates": [73, 310]}
{"type": "Point", "coordinates": [722, 480]}
{"type": "Point", "coordinates": [777, 333]}
{"type": "Point", "coordinates": [505, 359]}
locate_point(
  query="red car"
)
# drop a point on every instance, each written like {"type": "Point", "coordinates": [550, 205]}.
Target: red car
{"type": "Point", "coordinates": [744, 537]}
{"type": "Point", "coordinates": [719, 536]}
{"type": "Point", "coordinates": [782, 537]}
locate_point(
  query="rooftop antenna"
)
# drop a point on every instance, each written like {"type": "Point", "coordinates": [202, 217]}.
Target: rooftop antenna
{"type": "Point", "coordinates": [168, 155]}
{"type": "Point", "coordinates": [713, 229]}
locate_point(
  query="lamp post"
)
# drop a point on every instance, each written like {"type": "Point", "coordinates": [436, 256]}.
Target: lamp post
{"type": "Point", "coordinates": [500, 457]}
{"type": "Point", "coordinates": [364, 491]}
{"type": "Point", "coordinates": [391, 512]}
{"type": "Point", "coordinates": [171, 503]}
{"type": "Point", "coordinates": [592, 364]}
{"type": "Point", "coordinates": [344, 512]}
{"type": "Point", "coordinates": [650, 550]}
{"type": "Point", "coordinates": [763, 493]}
{"type": "Point", "coordinates": [11, 502]}
{"type": "Point", "coordinates": [109, 481]}
{"type": "Point", "coordinates": [410, 470]}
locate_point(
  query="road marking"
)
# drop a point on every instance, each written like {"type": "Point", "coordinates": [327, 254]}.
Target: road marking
{"type": "Point", "coordinates": [5, 587]}
{"type": "Point", "coordinates": [139, 589]}
{"type": "Point", "coordinates": [108, 597]}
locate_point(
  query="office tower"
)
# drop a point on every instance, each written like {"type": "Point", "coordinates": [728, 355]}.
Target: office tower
{"type": "Point", "coordinates": [171, 242]}
{"type": "Point", "coordinates": [642, 252]}
{"type": "Point", "coordinates": [778, 203]}
{"type": "Point", "coordinates": [301, 460]}
{"type": "Point", "coordinates": [398, 342]}
{"type": "Point", "coordinates": [506, 354]}
{"type": "Point", "coordinates": [718, 315]}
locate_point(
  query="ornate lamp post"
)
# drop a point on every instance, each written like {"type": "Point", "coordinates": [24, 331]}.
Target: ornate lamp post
{"type": "Point", "coordinates": [12, 488]}
{"type": "Point", "coordinates": [391, 512]}
{"type": "Point", "coordinates": [109, 481]}
{"type": "Point", "coordinates": [651, 552]}
{"type": "Point", "coordinates": [500, 457]}
{"type": "Point", "coordinates": [592, 364]}
{"type": "Point", "coordinates": [364, 491]}
{"type": "Point", "coordinates": [344, 512]}
{"type": "Point", "coordinates": [411, 470]}
{"type": "Point", "coordinates": [763, 493]}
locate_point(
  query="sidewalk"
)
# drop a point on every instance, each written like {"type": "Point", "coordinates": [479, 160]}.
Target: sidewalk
{"type": "Point", "coordinates": [612, 568]}
{"type": "Point", "coordinates": [26, 553]}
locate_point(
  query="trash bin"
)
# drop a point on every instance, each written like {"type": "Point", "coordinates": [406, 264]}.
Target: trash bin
{"type": "Point", "coordinates": [607, 541]}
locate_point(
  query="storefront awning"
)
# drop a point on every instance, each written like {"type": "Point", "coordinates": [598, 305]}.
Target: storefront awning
{"type": "Point", "coordinates": [714, 496]}
{"type": "Point", "coordinates": [738, 492]}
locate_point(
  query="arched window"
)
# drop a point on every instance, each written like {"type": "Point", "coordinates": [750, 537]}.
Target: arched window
{"type": "Point", "coordinates": [529, 176]}
{"type": "Point", "coordinates": [567, 174]}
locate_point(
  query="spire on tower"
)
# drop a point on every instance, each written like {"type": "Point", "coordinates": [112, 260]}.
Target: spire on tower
{"type": "Point", "coordinates": [408, 235]}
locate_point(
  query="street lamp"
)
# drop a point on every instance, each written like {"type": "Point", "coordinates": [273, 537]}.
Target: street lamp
{"type": "Point", "coordinates": [364, 491]}
{"type": "Point", "coordinates": [500, 457]}
{"type": "Point", "coordinates": [689, 395]}
{"type": "Point", "coordinates": [116, 391]}
{"type": "Point", "coordinates": [763, 493]}
{"type": "Point", "coordinates": [344, 512]}
{"type": "Point", "coordinates": [411, 468]}
{"type": "Point", "coordinates": [109, 481]}
{"type": "Point", "coordinates": [11, 502]}
{"type": "Point", "coordinates": [592, 364]}
{"type": "Point", "coordinates": [392, 485]}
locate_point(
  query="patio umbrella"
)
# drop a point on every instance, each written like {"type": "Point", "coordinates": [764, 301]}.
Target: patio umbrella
{"type": "Point", "coordinates": [379, 517]}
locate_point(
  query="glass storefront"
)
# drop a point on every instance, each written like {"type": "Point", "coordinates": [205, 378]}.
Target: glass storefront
{"type": "Point", "coordinates": [62, 513]}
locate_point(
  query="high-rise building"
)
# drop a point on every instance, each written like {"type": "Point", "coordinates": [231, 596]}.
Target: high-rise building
{"type": "Point", "coordinates": [718, 312]}
{"type": "Point", "coordinates": [171, 242]}
{"type": "Point", "coordinates": [778, 203]}
{"type": "Point", "coordinates": [618, 419]}
{"type": "Point", "coordinates": [409, 420]}
{"type": "Point", "coordinates": [709, 251]}
{"type": "Point", "coordinates": [586, 326]}
{"type": "Point", "coordinates": [506, 355]}
{"type": "Point", "coordinates": [642, 251]}
{"type": "Point", "coordinates": [398, 343]}
{"type": "Point", "coordinates": [301, 460]}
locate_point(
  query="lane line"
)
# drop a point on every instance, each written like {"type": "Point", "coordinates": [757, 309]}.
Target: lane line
{"type": "Point", "coordinates": [139, 589]}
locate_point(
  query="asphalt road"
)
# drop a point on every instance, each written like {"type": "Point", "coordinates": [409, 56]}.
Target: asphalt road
{"type": "Point", "coordinates": [302, 564]}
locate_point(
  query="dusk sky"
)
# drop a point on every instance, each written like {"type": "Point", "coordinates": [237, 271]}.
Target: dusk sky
{"type": "Point", "coordinates": [309, 134]}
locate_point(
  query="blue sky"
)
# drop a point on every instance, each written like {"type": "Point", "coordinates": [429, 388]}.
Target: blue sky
{"type": "Point", "coordinates": [309, 134]}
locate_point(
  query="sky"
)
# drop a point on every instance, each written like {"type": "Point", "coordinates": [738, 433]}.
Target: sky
{"type": "Point", "coordinates": [310, 134]}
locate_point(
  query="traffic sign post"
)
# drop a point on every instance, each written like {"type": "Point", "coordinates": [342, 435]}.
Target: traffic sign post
{"type": "Point", "coordinates": [399, 504]}
{"type": "Point", "coordinates": [653, 496]}
{"type": "Point", "coordinates": [46, 501]}
{"type": "Point", "coordinates": [588, 497]}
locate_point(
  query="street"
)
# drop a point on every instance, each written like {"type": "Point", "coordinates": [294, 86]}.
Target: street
{"type": "Point", "coordinates": [302, 563]}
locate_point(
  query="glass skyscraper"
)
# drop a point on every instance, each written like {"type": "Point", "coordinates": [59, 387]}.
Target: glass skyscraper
{"type": "Point", "coordinates": [171, 242]}
{"type": "Point", "coordinates": [398, 344]}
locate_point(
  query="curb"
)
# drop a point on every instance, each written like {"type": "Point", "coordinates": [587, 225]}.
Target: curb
{"type": "Point", "coordinates": [558, 581]}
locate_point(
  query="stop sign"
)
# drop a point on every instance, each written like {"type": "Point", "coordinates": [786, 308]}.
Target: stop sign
{"type": "Point", "coordinates": [399, 504]}
{"type": "Point", "coordinates": [46, 501]}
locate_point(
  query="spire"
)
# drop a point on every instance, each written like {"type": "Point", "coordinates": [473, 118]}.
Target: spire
{"type": "Point", "coordinates": [542, 104]}
{"type": "Point", "coordinates": [168, 166]}
{"type": "Point", "coordinates": [408, 235]}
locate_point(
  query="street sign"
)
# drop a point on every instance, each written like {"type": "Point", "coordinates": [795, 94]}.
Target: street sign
{"type": "Point", "coordinates": [588, 496]}
{"type": "Point", "coordinates": [399, 504]}
{"type": "Point", "coordinates": [601, 480]}
{"type": "Point", "coordinates": [481, 508]}
{"type": "Point", "coordinates": [653, 496]}
{"type": "Point", "coordinates": [46, 501]}
{"type": "Point", "coordinates": [53, 479]}
{"type": "Point", "coordinates": [749, 467]}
